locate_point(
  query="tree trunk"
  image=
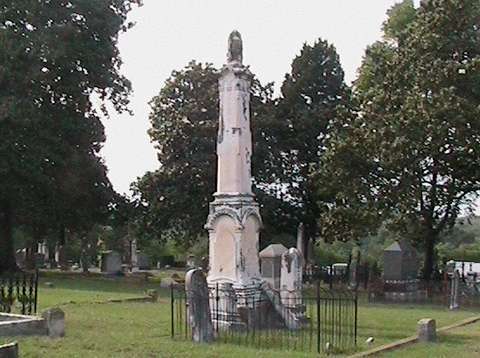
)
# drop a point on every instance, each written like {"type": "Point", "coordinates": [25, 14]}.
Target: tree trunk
{"type": "Point", "coordinates": [7, 249]}
{"type": "Point", "coordinates": [429, 263]}
{"type": "Point", "coordinates": [84, 256]}
{"type": "Point", "coordinates": [62, 259]}
{"type": "Point", "coordinates": [31, 251]}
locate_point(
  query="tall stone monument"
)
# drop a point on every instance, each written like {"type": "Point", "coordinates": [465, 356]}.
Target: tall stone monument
{"type": "Point", "coordinates": [234, 220]}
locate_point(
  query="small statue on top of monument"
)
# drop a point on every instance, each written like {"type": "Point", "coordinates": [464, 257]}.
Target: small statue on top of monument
{"type": "Point", "coordinates": [235, 47]}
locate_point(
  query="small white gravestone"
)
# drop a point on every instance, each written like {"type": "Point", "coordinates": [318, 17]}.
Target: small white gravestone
{"type": "Point", "coordinates": [198, 304]}
{"type": "Point", "coordinates": [291, 278]}
{"type": "Point", "coordinates": [454, 288]}
{"type": "Point", "coordinates": [427, 330]}
{"type": "Point", "coordinates": [54, 322]}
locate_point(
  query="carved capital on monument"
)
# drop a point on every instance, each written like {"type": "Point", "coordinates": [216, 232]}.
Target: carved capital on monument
{"type": "Point", "coordinates": [238, 211]}
{"type": "Point", "coordinates": [220, 211]}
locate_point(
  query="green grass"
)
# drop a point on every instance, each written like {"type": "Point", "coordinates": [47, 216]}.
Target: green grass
{"type": "Point", "coordinates": [143, 329]}
{"type": "Point", "coordinates": [461, 343]}
{"type": "Point", "coordinates": [70, 289]}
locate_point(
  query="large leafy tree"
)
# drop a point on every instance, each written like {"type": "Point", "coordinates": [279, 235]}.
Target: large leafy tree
{"type": "Point", "coordinates": [312, 96]}
{"type": "Point", "coordinates": [56, 56]}
{"type": "Point", "coordinates": [416, 140]}
{"type": "Point", "coordinates": [184, 120]}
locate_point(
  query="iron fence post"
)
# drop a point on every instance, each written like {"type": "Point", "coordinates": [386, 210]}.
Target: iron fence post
{"type": "Point", "coordinates": [318, 316]}
{"type": "Point", "coordinates": [172, 319]}
{"type": "Point", "coordinates": [356, 316]}
{"type": "Point", "coordinates": [36, 291]}
{"type": "Point", "coordinates": [217, 300]}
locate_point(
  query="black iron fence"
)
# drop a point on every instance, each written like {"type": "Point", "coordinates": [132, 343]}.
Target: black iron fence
{"type": "Point", "coordinates": [354, 276]}
{"type": "Point", "coordinates": [19, 292]}
{"type": "Point", "coordinates": [316, 320]}
{"type": "Point", "coordinates": [433, 292]}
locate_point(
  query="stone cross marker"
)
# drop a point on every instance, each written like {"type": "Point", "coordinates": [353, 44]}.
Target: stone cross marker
{"type": "Point", "coordinates": [198, 306]}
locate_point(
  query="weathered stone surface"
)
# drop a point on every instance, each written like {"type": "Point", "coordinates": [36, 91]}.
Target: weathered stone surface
{"type": "Point", "coordinates": [111, 262]}
{"type": "Point", "coordinates": [291, 278]}
{"type": "Point", "coordinates": [354, 265]}
{"type": "Point", "coordinates": [234, 220]}
{"type": "Point", "coordinates": [454, 290]}
{"type": "Point", "coordinates": [400, 262]}
{"type": "Point", "coordinates": [54, 322]}
{"type": "Point", "coordinates": [271, 263]}
{"type": "Point", "coordinates": [199, 314]}
{"type": "Point", "coordinates": [9, 350]}
{"type": "Point", "coordinates": [20, 325]}
{"type": "Point", "coordinates": [301, 241]}
{"type": "Point", "coordinates": [427, 330]}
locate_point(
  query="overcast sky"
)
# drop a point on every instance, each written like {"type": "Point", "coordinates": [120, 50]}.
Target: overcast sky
{"type": "Point", "coordinates": [170, 33]}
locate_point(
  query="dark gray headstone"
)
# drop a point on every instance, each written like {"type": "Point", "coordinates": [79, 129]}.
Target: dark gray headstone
{"type": "Point", "coordinates": [400, 262]}
{"type": "Point", "coordinates": [111, 262]}
{"type": "Point", "coordinates": [198, 306]}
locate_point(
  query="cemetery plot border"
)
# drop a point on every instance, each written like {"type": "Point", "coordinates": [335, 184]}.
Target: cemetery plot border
{"type": "Point", "coordinates": [19, 292]}
{"type": "Point", "coordinates": [319, 320]}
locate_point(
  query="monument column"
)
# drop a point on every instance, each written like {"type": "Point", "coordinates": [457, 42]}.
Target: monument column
{"type": "Point", "coordinates": [234, 220]}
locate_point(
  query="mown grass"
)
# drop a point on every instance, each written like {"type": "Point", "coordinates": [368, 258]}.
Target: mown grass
{"type": "Point", "coordinates": [460, 343]}
{"type": "Point", "coordinates": [143, 329]}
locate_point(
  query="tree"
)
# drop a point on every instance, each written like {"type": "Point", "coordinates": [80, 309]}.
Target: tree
{"type": "Point", "coordinates": [416, 138]}
{"type": "Point", "coordinates": [184, 117]}
{"type": "Point", "coordinates": [312, 95]}
{"type": "Point", "coordinates": [56, 57]}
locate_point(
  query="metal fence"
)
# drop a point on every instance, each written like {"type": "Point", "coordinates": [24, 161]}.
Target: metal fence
{"type": "Point", "coordinates": [434, 292]}
{"type": "Point", "coordinates": [19, 292]}
{"type": "Point", "coordinates": [317, 320]}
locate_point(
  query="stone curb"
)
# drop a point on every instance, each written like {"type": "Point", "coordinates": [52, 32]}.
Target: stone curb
{"type": "Point", "coordinates": [413, 339]}
{"type": "Point", "coordinates": [9, 350]}
{"type": "Point", "coordinates": [112, 300]}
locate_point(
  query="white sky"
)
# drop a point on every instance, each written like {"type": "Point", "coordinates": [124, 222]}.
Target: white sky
{"type": "Point", "coordinates": [170, 33]}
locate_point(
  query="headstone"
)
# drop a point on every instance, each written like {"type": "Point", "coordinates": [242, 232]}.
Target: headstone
{"type": "Point", "coordinates": [191, 262]}
{"type": "Point", "coordinates": [55, 322]}
{"type": "Point", "coordinates": [143, 261]}
{"type": "Point", "coordinates": [271, 263]}
{"type": "Point", "coordinates": [454, 288]}
{"type": "Point", "coordinates": [291, 278]}
{"type": "Point", "coordinates": [21, 257]}
{"type": "Point", "coordinates": [9, 350]}
{"type": "Point", "coordinates": [400, 262]}
{"type": "Point", "coordinates": [198, 304]}
{"type": "Point", "coordinates": [111, 262]}
{"type": "Point", "coordinates": [301, 242]}
{"type": "Point", "coordinates": [353, 268]}
{"type": "Point", "coordinates": [234, 220]}
{"type": "Point", "coordinates": [427, 330]}
{"type": "Point", "coordinates": [133, 253]}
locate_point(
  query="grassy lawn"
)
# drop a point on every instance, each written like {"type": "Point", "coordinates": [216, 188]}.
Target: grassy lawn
{"type": "Point", "coordinates": [462, 343]}
{"type": "Point", "coordinates": [142, 329]}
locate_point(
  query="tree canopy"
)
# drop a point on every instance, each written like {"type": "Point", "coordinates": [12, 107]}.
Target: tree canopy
{"type": "Point", "coordinates": [58, 59]}
{"type": "Point", "coordinates": [412, 150]}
